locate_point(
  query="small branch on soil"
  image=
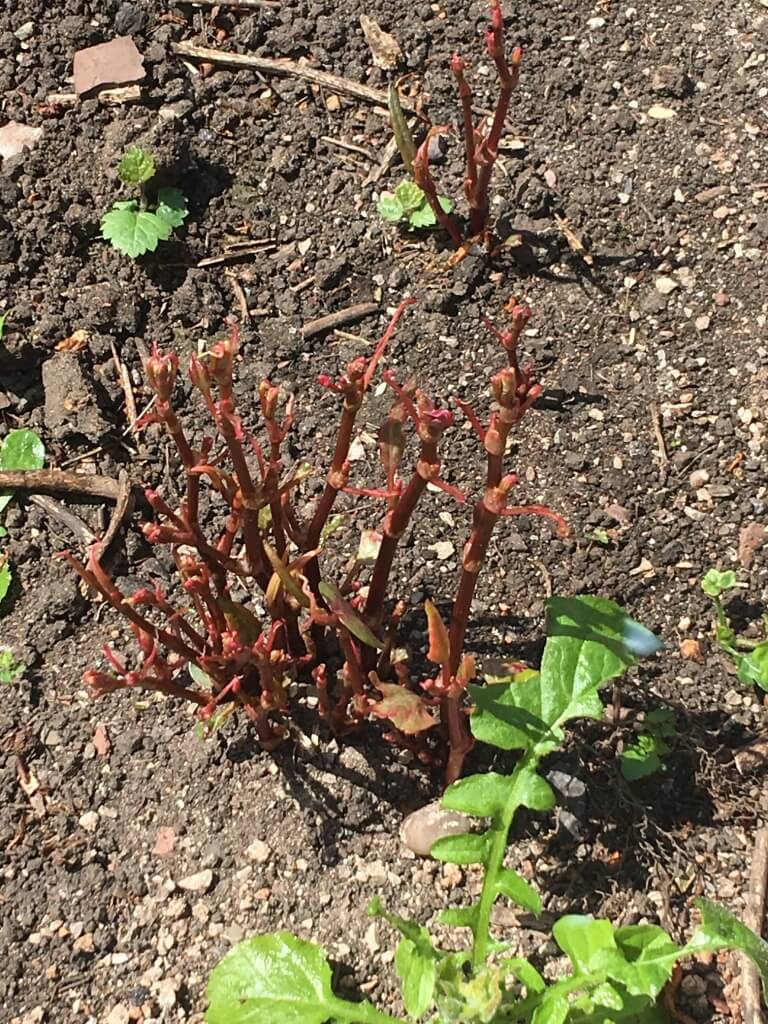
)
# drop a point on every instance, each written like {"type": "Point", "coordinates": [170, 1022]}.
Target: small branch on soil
{"type": "Point", "coordinates": [122, 509]}
{"type": "Point", "coordinates": [58, 481]}
{"type": "Point", "coordinates": [350, 146]}
{"type": "Point", "coordinates": [242, 301]}
{"type": "Point", "coordinates": [125, 380]}
{"type": "Point", "coordinates": [285, 68]}
{"type": "Point", "coordinates": [658, 433]}
{"type": "Point", "coordinates": [246, 5]}
{"type": "Point", "coordinates": [238, 252]}
{"type": "Point", "coordinates": [62, 515]}
{"type": "Point", "coordinates": [754, 912]}
{"type": "Point", "coordinates": [344, 316]}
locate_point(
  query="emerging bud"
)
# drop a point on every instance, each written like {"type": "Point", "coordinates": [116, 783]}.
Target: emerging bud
{"type": "Point", "coordinates": [161, 373]}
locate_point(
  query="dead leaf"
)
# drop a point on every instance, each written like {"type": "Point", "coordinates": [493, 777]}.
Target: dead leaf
{"type": "Point", "coordinates": [100, 740]}
{"type": "Point", "coordinates": [751, 539]}
{"type": "Point", "coordinates": [76, 342]}
{"type": "Point", "coordinates": [404, 708]}
{"type": "Point", "coordinates": [645, 568]}
{"type": "Point", "coordinates": [385, 49]}
{"type": "Point", "coordinates": [31, 788]}
{"type": "Point", "coordinates": [164, 841]}
{"type": "Point", "coordinates": [690, 649]}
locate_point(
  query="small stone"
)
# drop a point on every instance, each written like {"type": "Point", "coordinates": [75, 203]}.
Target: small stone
{"type": "Point", "coordinates": [84, 944]}
{"type": "Point", "coordinates": [666, 285]}
{"type": "Point", "coordinates": [89, 821]}
{"type": "Point", "coordinates": [421, 829]}
{"type": "Point", "coordinates": [443, 549]}
{"type": "Point", "coordinates": [702, 322]}
{"type": "Point", "coordinates": [118, 1015]}
{"type": "Point", "coordinates": [201, 881]}
{"type": "Point", "coordinates": [117, 62]}
{"type": "Point", "coordinates": [166, 994]}
{"type": "Point", "coordinates": [693, 985]}
{"type": "Point", "coordinates": [659, 113]}
{"type": "Point", "coordinates": [595, 23]}
{"type": "Point", "coordinates": [258, 852]}
{"type": "Point", "coordinates": [16, 137]}
{"type": "Point", "coordinates": [698, 478]}
{"type": "Point", "coordinates": [25, 31]}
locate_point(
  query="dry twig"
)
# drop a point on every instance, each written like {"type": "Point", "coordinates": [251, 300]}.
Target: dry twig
{"type": "Point", "coordinates": [343, 316]}
{"type": "Point", "coordinates": [284, 68]}
{"type": "Point", "coordinates": [59, 481]}
{"type": "Point", "coordinates": [754, 913]}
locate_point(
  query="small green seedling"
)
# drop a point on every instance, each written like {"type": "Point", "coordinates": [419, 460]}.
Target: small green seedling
{"type": "Point", "coordinates": [11, 670]}
{"type": "Point", "coordinates": [749, 656]}
{"type": "Point", "coordinates": [646, 756]}
{"type": "Point", "coordinates": [408, 203]}
{"type": "Point", "coordinates": [137, 226]}
{"type": "Point", "coordinates": [22, 449]}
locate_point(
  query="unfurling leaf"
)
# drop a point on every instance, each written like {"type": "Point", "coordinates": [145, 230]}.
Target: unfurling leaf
{"type": "Point", "coordinates": [409, 195]}
{"type": "Point", "coordinates": [715, 582]}
{"type": "Point", "coordinates": [136, 167]}
{"type": "Point", "coordinates": [439, 652]}
{"type": "Point", "coordinates": [389, 207]}
{"type": "Point", "coordinates": [422, 217]}
{"type": "Point", "coordinates": [348, 616]}
{"type": "Point", "coordinates": [404, 708]}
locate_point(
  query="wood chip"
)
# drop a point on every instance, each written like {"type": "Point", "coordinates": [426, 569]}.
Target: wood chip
{"type": "Point", "coordinates": [384, 48]}
{"type": "Point", "coordinates": [344, 316]}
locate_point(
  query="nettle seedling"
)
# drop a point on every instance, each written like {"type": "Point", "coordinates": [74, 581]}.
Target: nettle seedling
{"type": "Point", "coordinates": [646, 755]}
{"type": "Point", "coordinates": [614, 973]}
{"type": "Point", "coordinates": [749, 656]}
{"type": "Point", "coordinates": [22, 449]}
{"type": "Point", "coordinates": [409, 204]}
{"type": "Point", "coordinates": [137, 226]}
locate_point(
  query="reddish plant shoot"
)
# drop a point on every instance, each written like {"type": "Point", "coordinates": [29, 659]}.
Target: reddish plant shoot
{"type": "Point", "coordinates": [198, 643]}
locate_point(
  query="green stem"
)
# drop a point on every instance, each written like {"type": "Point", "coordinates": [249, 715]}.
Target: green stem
{"type": "Point", "coordinates": [495, 863]}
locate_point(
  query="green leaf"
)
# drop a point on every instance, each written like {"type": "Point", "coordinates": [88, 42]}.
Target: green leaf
{"type": "Point", "coordinates": [720, 929]}
{"type": "Point", "coordinates": [645, 958]}
{"type": "Point", "coordinates": [348, 616]}
{"type": "Point", "coordinates": [133, 232]}
{"type": "Point", "coordinates": [5, 580]}
{"type": "Point", "coordinates": [409, 195]}
{"type": "Point", "coordinates": [482, 795]}
{"type": "Point", "coordinates": [136, 167]}
{"type": "Point", "coordinates": [277, 977]}
{"type": "Point", "coordinates": [10, 669]}
{"type": "Point", "coordinates": [514, 887]}
{"type": "Point", "coordinates": [445, 203]}
{"type": "Point", "coordinates": [422, 217]}
{"type": "Point", "coordinates": [172, 206]}
{"type": "Point", "coordinates": [640, 760]}
{"type": "Point", "coordinates": [467, 998]}
{"type": "Point", "coordinates": [400, 129]}
{"type": "Point", "coordinates": [714, 582]}
{"type": "Point", "coordinates": [389, 207]}
{"type": "Point", "coordinates": [580, 937]}
{"type": "Point", "coordinates": [416, 933]}
{"type": "Point", "coordinates": [3, 318]}
{"type": "Point", "coordinates": [418, 973]}
{"type": "Point", "coordinates": [460, 917]}
{"type": "Point", "coordinates": [241, 620]}
{"type": "Point", "coordinates": [753, 667]}
{"type": "Point", "coordinates": [525, 973]}
{"type": "Point", "coordinates": [333, 523]}
{"type": "Point", "coordinates": [22, 449]}
{"type": "Point", "coordinates": [465, 849]}
{"type": "Point", "coordinates": [199, 676]}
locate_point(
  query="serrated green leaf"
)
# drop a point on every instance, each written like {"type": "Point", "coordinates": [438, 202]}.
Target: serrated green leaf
{"type": "Point", "coordinates": [641, 759]}
{"type": "Point", "coordinates": [22, 449]}
{"type": "Point", "coordinates": [409, 195]}
{"type": "Point", "coordinates": [134, 232]}
{"type": "Point", "coordinates": [276, 977]}
{"type": "Point", "coordinates": [136, 167]}
{"type": "Point", "coordinates": [464, 849]}
{"type": "Point", "coordinates": [5, 579]}
{"type": "Point", "coordinates": [512, 885]}
{"type": "Point", "coordinates": [647, 957]}
{"type": "Point", "coordinates": [714, 582]}
{"type": "Point", "coordinates": [418, 973]}
{"type": "Point", "coordinates": [422, 217]}
{"type": "Point", "coordinates": [720, 929]}
{"type": "Point", "coordinates": [172, 206]}
{"type": "Point", "coordinates": [389, 208]}
{"type": "Point", "coordinates": [10, 669]}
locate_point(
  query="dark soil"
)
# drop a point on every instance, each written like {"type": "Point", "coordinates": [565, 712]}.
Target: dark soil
{"type": "Point", "coordinates": [654, 351]}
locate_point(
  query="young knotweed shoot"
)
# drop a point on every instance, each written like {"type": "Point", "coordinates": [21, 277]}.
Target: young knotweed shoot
{"type": "Point", "coordinates": [136, 226]}
{"type": "Point", "coordinates": [614, 974]}
{"type": "Point", "coordinates": [749, 656]}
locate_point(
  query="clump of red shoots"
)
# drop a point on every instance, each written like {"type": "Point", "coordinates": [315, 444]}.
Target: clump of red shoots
{"type": "Point", "coordinates": [200, 644]}
{"type": "Point", "coordinates": [481, 140]}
